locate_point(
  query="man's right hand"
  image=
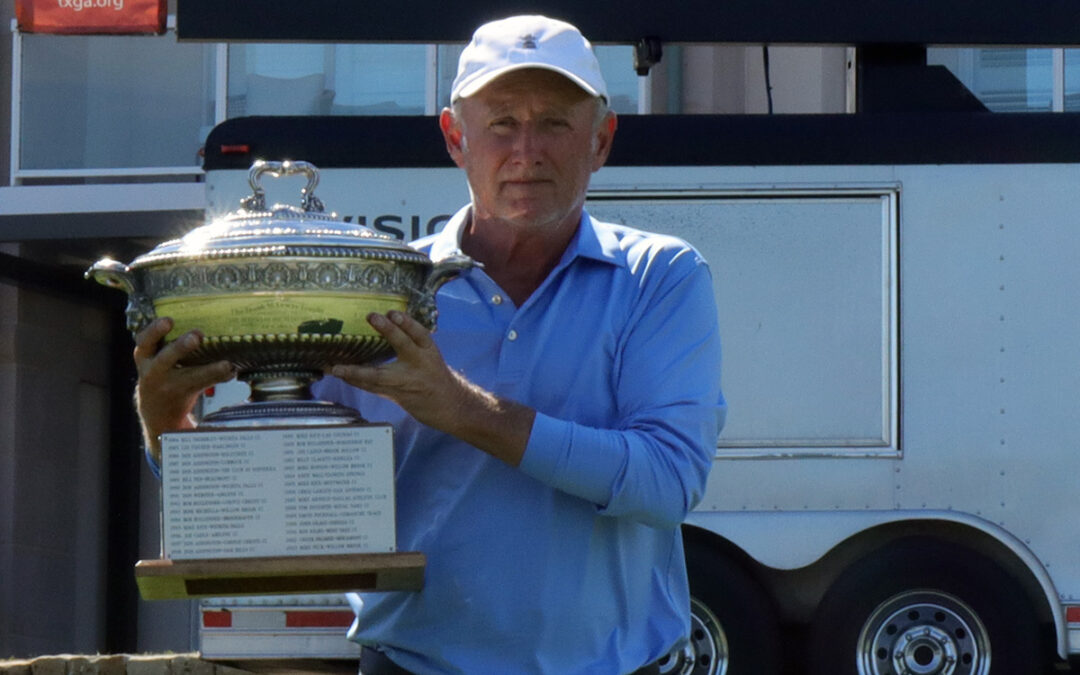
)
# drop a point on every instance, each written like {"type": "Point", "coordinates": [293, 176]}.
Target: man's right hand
{"type": "Point", "coordinates": [166, 393]}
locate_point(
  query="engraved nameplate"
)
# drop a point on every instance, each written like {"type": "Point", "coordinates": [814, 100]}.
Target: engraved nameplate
{"type": "Point", "coordinates": [296, 491]}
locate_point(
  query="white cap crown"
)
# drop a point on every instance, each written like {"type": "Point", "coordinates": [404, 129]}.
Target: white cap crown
{"type": "Point", "coordinates": [520, 42]}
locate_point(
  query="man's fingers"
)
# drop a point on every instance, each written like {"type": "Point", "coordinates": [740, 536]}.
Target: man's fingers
{"type": "Point", "coordinates": [179, 384]}
{"type": "Point", "coordinates": [365, 377]}
{"type": "Point", "coordinates": [146, 341]}
{"type": "Point", "coordinates": [197, 378]}
{"type": "Point", "coordinates": [149, 358]}
{"type": "Point", "coordinates": [401, 331]}
{"type": "Point", "coordinates": [420, 335]}
{"type": "Point", "coordinates": [160, 364]}
{"type": "Point", "coordinates": [166, 393]}
{"type": "Point", "coordinates": [418, 370]}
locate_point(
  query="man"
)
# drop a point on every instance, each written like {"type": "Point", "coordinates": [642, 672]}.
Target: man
{"type": "Point", "coordinates": [552, 435]}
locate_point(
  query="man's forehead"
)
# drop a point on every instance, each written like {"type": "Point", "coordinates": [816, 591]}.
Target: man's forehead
{"type": "Point", "coordinates": [539, 80]}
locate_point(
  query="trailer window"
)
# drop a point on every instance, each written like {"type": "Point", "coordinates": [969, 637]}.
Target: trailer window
{"type": "Point", "coordinates": [1016, 79]}
{"type": "Point", "coordinates": [94, 103]}
{"type": "Point", "coordinates": [806, 292]}
{"type": "Point", "coordinates": [372, 79]}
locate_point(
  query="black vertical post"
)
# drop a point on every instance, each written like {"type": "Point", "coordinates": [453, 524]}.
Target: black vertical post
{"type": "Point", "coordinates": [125, 456]}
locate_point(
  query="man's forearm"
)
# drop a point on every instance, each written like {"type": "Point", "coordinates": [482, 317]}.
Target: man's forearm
{"type": "Point", "coordinates": [152, 439]}
{"type": "Point", "coordinates": [498, 426]}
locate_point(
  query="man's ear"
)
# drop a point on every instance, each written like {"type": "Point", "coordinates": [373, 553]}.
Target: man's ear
{"type": "Point", "coordinates": [603, 137]}
{"type": "Point", "coordinates": [453, 134]}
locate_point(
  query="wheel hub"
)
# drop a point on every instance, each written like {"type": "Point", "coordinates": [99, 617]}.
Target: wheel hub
{"type": "Point", "coordinates": [925, 651]}
{"type": "Point", "coordinates": [924, 633]}
{"type": "Point", "coordinates": [706, 650]}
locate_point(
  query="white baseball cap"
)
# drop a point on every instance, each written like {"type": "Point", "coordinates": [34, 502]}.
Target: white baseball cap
{"type": "Point", "coordinates": [519, 42]}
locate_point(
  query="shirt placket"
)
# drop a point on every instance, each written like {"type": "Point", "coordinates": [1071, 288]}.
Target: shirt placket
{"type": "Point", "coordinates": [513, 357]}
{"type": "Point", "coordinates": [516, 348]}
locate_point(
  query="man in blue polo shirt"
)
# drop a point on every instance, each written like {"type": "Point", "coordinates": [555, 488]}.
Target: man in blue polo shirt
{"type": "Point", "coordinates": [553, 433]}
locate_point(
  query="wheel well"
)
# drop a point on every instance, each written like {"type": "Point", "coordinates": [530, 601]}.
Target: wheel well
{"type": "Point", "coordinates": [798, 592]}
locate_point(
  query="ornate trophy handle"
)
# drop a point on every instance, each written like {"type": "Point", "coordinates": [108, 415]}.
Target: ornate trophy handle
{"type": "Point", "coordinates": [140, 309]}
{"type": "Point", "coordinates": [422, 303]}
{"type": "Point", "coordinates": [257, 200]}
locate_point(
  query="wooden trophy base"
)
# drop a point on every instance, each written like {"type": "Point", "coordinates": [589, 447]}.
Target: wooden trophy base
{"type": "Point", "coordinates": [278, 510]}
{"type": "Point", "coordinates": [166, 579]}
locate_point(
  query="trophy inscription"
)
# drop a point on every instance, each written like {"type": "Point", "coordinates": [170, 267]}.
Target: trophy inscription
{"type": "Point", "coordinates": [258, 493]}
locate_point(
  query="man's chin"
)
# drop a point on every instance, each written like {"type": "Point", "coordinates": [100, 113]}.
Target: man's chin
{"type": "Point", "coordinates": [531, 213]}
{"type": "Point", "coordinates": [537, 218]}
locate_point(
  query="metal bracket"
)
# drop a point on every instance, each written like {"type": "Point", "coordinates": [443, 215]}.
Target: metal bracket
{"type": "Point", "coordinates": [647, 53]}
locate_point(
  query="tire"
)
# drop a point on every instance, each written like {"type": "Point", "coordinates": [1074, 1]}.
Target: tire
{"type": "Point", "coordinates": [733, 624]}
{"type": "Point", "coordinates": [925, 607]}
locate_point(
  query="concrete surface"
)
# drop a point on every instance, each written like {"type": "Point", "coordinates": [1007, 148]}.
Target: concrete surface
{"type": "Point", "coordinates": [121, 664]}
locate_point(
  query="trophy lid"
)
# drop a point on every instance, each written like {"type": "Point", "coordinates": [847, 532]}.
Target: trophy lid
{"type": "Point", "coordinates": [279, 230]}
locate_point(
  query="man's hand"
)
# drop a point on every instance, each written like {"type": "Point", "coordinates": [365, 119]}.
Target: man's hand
{"type": "Point", "coordinates": [422, 383]}
{"type": "Point", "coordinates": [166, 393]}
{"type": "Point", "coordinates": [418, 380]}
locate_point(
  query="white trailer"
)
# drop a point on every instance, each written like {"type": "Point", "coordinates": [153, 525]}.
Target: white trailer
{"type": "Point", "coordinates": [893, 490]}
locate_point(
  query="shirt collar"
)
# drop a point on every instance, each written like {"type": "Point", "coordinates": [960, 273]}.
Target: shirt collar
{"type": "Point", "coordinates": [447, 242]}
{"type": "Point", "coordinates": [593, 239]}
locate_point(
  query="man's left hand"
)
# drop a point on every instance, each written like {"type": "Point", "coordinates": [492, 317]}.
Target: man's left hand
{"type": "Point", "coordinates": [418, 379]}
{"type": "Point", "coordinates": [422, 383]}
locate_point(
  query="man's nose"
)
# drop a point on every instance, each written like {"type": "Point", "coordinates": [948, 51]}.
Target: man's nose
{"type": "Point", "coordinates": [528, 143]}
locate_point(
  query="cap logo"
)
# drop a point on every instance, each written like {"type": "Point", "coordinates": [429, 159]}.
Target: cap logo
{"type": "Point", "coordinates": [528, 41]}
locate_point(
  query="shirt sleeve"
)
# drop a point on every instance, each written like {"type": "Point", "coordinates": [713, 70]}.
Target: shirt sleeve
{"type": "Point", "coordinates": [653, 465]}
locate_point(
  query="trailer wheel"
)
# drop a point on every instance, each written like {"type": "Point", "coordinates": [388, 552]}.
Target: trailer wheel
{"type": "Point", "coordinates": [924, 607]}
{"type": "Point", "coordinates": [733, 625]}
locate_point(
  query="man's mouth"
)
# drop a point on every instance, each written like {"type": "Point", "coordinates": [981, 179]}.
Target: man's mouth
{"type": "Point", "coordinates": [527, 181]}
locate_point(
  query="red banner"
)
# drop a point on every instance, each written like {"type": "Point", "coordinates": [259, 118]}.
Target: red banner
{"type": "Point", "coordinates": [110, 17]}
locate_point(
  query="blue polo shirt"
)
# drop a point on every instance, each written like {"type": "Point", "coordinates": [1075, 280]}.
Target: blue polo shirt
{"type": "Point", "coordinates": [572, 562]}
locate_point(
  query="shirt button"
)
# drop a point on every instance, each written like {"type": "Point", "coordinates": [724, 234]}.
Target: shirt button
{"type": "Point", "coordinates": [496, 299]}
{"type": "Point", "coordinates": [512, 335]}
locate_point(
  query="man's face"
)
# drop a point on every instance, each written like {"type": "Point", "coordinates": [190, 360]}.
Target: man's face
{"type": "Point", "coordinates": [529, 142]}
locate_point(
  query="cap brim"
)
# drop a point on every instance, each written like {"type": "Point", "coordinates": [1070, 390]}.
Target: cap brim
{"type": "Point", "coordinates": [472, 86]}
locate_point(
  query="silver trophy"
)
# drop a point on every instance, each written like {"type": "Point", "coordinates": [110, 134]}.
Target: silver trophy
{"type": "Point", "coordinates": [281, 292]}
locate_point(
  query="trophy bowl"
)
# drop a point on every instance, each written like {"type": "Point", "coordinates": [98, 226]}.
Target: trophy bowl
{"type": "Point", "coordinates": [281, 292]}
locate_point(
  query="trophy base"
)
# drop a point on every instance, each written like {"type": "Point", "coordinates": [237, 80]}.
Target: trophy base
{"type": "Point", "coordinates": [260, 414]}
{"type": "Point", "coordinates": [165, 579]}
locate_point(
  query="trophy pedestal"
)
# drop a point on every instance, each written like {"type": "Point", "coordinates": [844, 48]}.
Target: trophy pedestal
{"type": "Point", "coordinates": [278, 510]}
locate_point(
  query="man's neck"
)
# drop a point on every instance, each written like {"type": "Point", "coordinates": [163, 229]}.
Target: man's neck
{"type": "Point", "coordinates": [517, 258]}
